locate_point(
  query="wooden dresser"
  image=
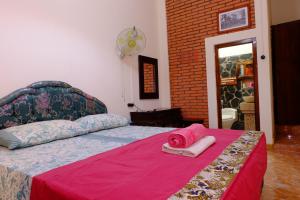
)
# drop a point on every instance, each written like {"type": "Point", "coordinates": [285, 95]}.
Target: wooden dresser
{"type": "Point", "coordinates": [161, 118]}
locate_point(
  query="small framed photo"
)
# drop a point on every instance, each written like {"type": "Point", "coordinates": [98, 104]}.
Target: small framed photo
{"type": "Point", "coordinates": [234, 19]}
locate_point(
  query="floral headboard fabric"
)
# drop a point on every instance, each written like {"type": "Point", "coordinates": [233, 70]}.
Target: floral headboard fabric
{"type": "Point", "coordinates": [47, 100]}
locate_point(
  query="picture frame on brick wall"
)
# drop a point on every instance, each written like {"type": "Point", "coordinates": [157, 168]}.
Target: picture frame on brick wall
{"type": "Point", "coordinates": [233, 19]}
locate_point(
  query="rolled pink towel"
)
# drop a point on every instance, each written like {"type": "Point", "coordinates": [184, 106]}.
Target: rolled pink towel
{"type": "Point", "coordinates": [193, 150]}
{"type": "Point", "coordinates": [185, 137]}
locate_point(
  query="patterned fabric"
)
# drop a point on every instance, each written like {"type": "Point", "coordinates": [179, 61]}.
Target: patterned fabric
{"type": "Point", "coordinates": [17, 167]}
{"type": "Point", "coordinates": [14, 184]}
{"type": "Point", "coordinates": [99, 122]}
{"type": "Point", "coordinates": [47, 100]}
{"type": "Point", "coordinates": [38, 133]}
{"type": "Point", "coordinates": [213, 180]}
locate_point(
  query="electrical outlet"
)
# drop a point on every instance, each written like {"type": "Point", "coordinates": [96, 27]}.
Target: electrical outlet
{"type": "Point", "coordinates": [130, 105]}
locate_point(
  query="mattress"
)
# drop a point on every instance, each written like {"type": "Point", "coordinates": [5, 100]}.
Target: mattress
{"type": "Point", "coordinates": [233, 168]}
{"type": "Point", "coordinates": [19, 166]}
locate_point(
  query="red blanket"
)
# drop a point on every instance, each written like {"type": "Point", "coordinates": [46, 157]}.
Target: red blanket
{"type": "Point", "coordinates": [139, 170]}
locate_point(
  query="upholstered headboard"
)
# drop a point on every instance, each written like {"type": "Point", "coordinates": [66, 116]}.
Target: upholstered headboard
{"type": "Point", "coordinates": [47, 100]}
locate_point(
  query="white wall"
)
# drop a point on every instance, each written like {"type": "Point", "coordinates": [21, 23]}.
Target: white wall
{"type": "Point", "coordinates": [74, 41]}
{"type": "Point", "coordinates": [262, 35]}
{"type": "Point", "coordinates": [164, 75]}
{"type": "Point", "coordinates": [284, 11]}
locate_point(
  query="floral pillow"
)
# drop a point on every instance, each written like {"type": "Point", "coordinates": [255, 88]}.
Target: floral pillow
{"type": "Point", "coordinates": [92, 123]}
{"type": "Point", "coordinates": [38, 133]}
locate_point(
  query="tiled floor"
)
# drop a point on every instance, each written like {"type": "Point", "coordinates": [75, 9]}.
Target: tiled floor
{"type": "Point", "coordinates": [288, 138]}
{"type": "Point", "coordinates": [282, 179]}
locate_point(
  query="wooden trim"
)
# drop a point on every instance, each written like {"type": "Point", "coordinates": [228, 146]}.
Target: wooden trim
{"type": "Point", "coordinates": [235, 29]}
{"type": "Point", "coordinates": [256, 93]}
{"type": "Point", "coordinates": [255, 73]}
{"type": "Point", "coordinates": [218, 86]}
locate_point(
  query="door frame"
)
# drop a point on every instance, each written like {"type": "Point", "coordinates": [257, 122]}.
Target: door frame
{"type": "Point", "coordinates": [255, 71]}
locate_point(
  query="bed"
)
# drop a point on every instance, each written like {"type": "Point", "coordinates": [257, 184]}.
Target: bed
{"type": "Point", "coordinates": [118, 162]}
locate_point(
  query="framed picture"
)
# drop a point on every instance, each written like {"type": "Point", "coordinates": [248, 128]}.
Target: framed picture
{"type": "Point", "coordinates": [234, 19]}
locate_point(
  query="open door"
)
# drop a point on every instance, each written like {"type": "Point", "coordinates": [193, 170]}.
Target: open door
{"type": "Point", "coordinates": [237, 85]}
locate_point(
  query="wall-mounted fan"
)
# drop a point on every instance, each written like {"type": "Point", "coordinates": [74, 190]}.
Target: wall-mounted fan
{"type": "Point", "coordinates": [131, 41]}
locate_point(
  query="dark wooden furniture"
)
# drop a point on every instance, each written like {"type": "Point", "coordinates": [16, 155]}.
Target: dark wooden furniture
{"type": "Point", "coordinates": [188, 122]}
{"type": "Point", "coordinates": [161, 118]}
{"type": "Point", "coordinates": [286, 72]}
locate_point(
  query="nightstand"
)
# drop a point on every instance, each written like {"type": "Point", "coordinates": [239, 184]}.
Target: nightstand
{"type": "Point", "coordinates": [187, 122]}
{"type": "Point", "coordinates": [161, 118]}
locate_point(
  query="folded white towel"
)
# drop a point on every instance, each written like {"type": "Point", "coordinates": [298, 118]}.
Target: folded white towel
{"type": "Point", "coordinates": [192, 151]}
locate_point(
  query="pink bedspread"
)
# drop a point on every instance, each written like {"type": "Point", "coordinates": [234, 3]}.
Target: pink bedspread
{"type": "Point", "coordinates": [141, 170]}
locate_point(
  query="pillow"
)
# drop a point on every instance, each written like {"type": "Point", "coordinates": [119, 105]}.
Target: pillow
{"type": "Point", "coordinates": [93, 123]}
{"type": "Point", "coordinates": [38, 133]}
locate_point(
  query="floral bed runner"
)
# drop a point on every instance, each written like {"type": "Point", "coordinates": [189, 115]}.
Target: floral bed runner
{"type": "Point", "coordinates": [212, 182]}
{"type": "Point", "coordinates": [141, 170]}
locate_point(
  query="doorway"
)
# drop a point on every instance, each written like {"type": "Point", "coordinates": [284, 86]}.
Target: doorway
{"type": "Point", "coordinates": [237, 85]}
{"type": "Point", "coordinates": [286, 70]}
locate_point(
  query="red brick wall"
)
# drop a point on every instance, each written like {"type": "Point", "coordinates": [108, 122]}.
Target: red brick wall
{"type": "Point", "coordinates": [189, 23]}
{"type": "Point", "coordinates": [149, 86]}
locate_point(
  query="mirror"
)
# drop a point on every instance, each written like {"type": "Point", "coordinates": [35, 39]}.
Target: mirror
{"type": "Point", "coordinates": [148, 77]}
